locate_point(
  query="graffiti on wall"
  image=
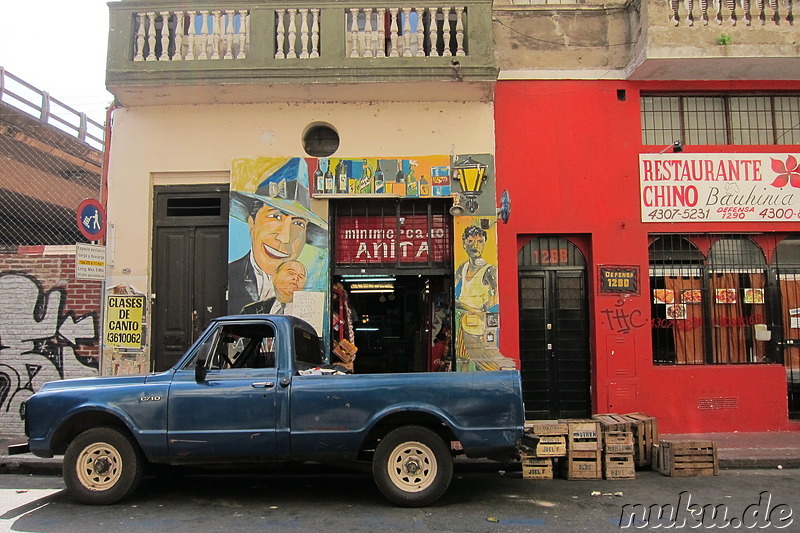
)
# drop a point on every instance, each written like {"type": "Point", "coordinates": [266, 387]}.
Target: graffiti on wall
{"type": "Point", "coordinates": [278, 248]}
{"type": "Point", "coordinates": [622, 320]}
{"type": "Point", "coordinates": [38, 341]}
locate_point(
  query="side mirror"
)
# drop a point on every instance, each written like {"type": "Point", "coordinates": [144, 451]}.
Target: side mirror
{"type": "Point", "coordinates": [200, 371]}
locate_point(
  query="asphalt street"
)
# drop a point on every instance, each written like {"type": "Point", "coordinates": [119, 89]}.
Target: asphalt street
{"type": "Point", "coordinates": [481, 499]}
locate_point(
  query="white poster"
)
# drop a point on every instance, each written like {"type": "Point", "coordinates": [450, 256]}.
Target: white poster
{"type": "Point", "coordinates": [90, 261]}
{"type": "Point", "coordinates": [719, 187]}
{"type": "Point", "coordinates": [310, 306]}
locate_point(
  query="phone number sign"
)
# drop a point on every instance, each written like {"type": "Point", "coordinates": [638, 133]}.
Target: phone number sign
{"type": "Point", "coordinates": [124, 321]}
{"type": "Point", "coordinates": [719, 187]}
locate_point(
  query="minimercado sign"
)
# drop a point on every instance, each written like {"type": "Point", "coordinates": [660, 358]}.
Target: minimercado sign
{"type": "Point", "coordinates": [719, 187]}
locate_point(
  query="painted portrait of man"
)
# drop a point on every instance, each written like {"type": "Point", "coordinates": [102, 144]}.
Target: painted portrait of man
{"type": "Point", "coordinates": [280, 227]}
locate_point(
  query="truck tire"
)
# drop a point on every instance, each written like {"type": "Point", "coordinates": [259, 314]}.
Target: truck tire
{"type": "Point", "coordinates": [412, 466]}
{"type": "Point", "coordinates": [102, 466]}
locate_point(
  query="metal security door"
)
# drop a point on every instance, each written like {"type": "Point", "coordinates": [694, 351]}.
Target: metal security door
{"type": "Point", "coordinates": [554, 339]}
{"type": "Point", "coordinates": [190, 266]}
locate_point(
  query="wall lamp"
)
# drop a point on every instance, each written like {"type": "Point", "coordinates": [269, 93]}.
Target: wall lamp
{"type": "Point", "coordinates": [676, 146]}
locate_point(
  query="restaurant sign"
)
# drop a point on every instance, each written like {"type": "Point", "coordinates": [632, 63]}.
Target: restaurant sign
{"type": "Point", "coordinates": [407, 239]}
{"type": "Point", "coordinates": [719, 187]}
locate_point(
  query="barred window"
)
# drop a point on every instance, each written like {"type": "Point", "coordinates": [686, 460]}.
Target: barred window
{"type": "Point", "coordinates": [721, 119]}
{"type": "Point", "coordinates": [707, 294]}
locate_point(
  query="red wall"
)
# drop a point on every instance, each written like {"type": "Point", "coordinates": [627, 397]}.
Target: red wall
{"type": "Point", "coordinates": [567, 152]}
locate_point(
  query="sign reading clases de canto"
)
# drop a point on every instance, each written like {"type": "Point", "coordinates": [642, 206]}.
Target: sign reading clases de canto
{"type": "Point", "coordinates": [124, 321]}
{"type": "Point", "coordinates": [719, 187]}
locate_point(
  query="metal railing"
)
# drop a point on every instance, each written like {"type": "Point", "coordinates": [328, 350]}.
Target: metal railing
{"type": "Point", "coordinates": [50, 110]}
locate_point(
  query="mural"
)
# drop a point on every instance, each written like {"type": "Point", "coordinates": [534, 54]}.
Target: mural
{"type": "Point", "coordinates": [278, 248]}
{"type": "Point", "coordinates": [419, 177]}
{"type": "Point", "coordinates": [38, 342]}
{"type": "Point", "coordinates": [278, 251]}
{"type": "Point", "coordinates": [477, 308]}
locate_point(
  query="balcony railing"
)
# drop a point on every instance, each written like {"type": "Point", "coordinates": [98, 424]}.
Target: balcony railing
{"type": "Point", "coordinates": [764, 12]}
{"type": "Point", "coordinates": [369, 32]}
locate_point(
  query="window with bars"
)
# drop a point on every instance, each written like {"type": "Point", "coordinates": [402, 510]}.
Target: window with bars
{"type": "Point", "coordinates": [721, 119]}
{"type": "Point", "coordinates": [708, 293]}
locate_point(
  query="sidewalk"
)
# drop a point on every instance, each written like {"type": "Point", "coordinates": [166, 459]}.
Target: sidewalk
{"type": "Point", "coordinates": [734, 450]}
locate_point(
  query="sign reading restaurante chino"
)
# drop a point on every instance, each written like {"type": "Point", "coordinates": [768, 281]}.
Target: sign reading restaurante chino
{"type": "Point", "coordinates": [719, 187]}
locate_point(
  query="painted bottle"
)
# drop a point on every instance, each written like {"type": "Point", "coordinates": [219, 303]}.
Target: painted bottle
{"type": "Point", "coordinates": [341, 178]}
{"type": "Point", "coordinates": [379, 179]}
{"type": "Point", "coordinates": [319, 179]}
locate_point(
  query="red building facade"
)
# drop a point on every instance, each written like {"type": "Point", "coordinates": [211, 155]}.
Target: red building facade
{"type": "Point", "coordinates": [621, 296]}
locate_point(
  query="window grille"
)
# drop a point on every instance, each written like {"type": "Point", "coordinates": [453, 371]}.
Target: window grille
{"type": "Point", "coordinates": [720, 119]}
{"type": "Point", "coordinates": [708, 291]}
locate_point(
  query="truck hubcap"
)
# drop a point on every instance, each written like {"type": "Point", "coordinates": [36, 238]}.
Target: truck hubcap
{"type": "Point", "coordinates": [99, 466]}
{"type": "Point", "coordinates": [412, 466]}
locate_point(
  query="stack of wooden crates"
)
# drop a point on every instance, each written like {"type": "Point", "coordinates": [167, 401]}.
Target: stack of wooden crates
{"type": "Point", "coordinates": [584, 450]}
{"type": "Point", "coordinates": [552, 444]}
{"type": "Point", "coordinates": [643, 437]}
{"type": "Point", "coordinates": [609, 446]}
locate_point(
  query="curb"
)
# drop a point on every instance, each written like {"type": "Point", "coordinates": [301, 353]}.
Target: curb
{"type": "Point", "coordinates": [30, 464]}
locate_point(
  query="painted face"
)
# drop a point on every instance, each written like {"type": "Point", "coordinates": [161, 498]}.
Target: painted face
{"type": "Point", "coordinates": [276, 237]}
{"type": "Point", "coordinates": [290, 277]}
{"type": "Point", "coordinates": [473, 245]}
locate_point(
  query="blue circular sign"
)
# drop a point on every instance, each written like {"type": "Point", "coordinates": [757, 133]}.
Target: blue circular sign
{"type": "Point", "coordinates": [91, 218]}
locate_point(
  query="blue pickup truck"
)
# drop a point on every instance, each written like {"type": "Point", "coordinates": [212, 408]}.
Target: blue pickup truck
{"type": "Point", "coordinates": [246, 392]}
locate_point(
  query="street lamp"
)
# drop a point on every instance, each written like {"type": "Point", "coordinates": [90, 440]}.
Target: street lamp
{"type": "Point", "coordinates": [471, 175]}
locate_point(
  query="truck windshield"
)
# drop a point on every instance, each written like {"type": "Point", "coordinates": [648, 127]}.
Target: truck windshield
{"type": "Point", "coordinates": [307, 347]}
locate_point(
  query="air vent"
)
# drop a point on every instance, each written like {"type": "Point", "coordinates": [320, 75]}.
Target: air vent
{"type": "Point", "coordinates": [717, 403]}
{"type": "Point", "coordinates": [209, 206]}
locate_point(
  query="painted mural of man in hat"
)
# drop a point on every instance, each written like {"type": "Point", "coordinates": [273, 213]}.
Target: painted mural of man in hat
{"type": "Point", "coordinates": [280, 224]}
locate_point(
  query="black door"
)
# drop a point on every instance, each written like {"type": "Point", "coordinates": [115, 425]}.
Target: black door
{"type": "Point", "coordinates": [554, 338]}
{"type": "Point", "coordinates": [190, 267]}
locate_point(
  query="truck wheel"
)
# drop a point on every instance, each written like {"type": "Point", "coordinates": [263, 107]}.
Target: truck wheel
{"type": "Point", "coordinates": [412, 466]}
{"type": "Point", "coordinates": [102, 466]}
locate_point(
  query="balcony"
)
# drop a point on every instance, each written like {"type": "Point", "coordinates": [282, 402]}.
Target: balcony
{"type": "Point", "coordinates": [649, 39]}
{"type": "Point", "coordinates": [719, 40]}
{"type": "Point", "coordinates": [242, 51]}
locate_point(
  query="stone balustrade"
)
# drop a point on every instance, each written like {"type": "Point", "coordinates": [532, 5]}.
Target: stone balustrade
{"type": "Point", "coordinates": [731, 12]}
{"type": "Point", "coordinates": [369, 32]}
{"type": "Point", "coordinates": [191, 35]}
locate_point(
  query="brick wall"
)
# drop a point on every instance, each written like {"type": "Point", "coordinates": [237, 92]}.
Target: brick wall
{"type": "Point", "coordinates": [49, 325]}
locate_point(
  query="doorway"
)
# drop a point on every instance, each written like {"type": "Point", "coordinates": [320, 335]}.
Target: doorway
{"type": "Point", "coordinates": [396, 320]}
{"type": "Point", "coordinates": [190, 267]}
{"type": "Point", "coordinates": [554, 329]}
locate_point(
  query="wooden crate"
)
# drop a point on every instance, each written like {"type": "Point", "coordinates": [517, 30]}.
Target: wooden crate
{"type": "Point", "coordinates": [612, 422]}
{"type": "Point", "coordinates": [618, 442]}
{"type": "Point", "coordinates": [546, 427]}
{"type": "Point", "coordinates": [584, 435]}
{"type": "Point", "coordinates": [536, 467]}
{"type": "Point", "coordinates": [584, 464]}
{"type": "Point", "coordinates": [619, 466]}
{"type": "Point", "coordinates": [552, 446]}
{"type": "Point", "coordinates": [645, 434]}
{"type": "Point", "coordinates": [688, 458]}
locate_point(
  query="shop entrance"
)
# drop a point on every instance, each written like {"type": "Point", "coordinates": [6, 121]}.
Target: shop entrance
{"type": "Point", "coordinates": [395, 322]}
{"type": "Point", "coordinates": [392, 283]}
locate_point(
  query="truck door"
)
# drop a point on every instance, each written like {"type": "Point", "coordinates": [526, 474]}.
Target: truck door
{"type": "Point", "coordinates": [230, 412]}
